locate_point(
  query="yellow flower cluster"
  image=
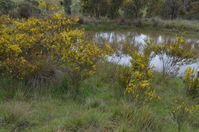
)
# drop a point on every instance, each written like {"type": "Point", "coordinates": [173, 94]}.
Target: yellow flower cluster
{"type": "Point", "coordinates": [84, 56]}
{"type": "Point", "coordinates": [177, 48]}
{"type": "Point", "coordinates": [192, 82]}
{"type": "Point", "coordinates": [25, 44]}
{"type": "Point", "coordinates": [189, 74]}
{"type": "Point", "coordinates": [139, 87]}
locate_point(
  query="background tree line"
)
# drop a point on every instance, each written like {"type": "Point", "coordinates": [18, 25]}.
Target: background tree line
{"type": "Point", "coordinates": [168, 9]}
{"type": "Point", "coordinates": [131, 9]}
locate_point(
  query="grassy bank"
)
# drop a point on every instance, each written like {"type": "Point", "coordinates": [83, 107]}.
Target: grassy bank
{"type": "Point", "coordinates": [100, 106]}
{"type": "Point", "coordinates": [191, 28]}
{"type": "Point", "coordinates": [177, 24]}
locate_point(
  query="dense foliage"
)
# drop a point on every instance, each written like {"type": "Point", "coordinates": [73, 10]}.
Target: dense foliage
{"type": "Point", "coordinates": [131, 9]}
{"type": "Point", "coordinates": [33, 49]}
{"type": "Point", "coordinates": [139, 87]}
{"type": "Point", "coordinates": [169, 9]}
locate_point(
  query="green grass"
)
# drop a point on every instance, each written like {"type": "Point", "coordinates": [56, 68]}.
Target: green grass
{"type": "Point", "coordinates": [105, 27]}
{"type": "Point", "coordinates": [181, 25]}
{"type": "Point", "coordinates": [98, 108]}
{"type": "Point", "coordinates": [172, 27]}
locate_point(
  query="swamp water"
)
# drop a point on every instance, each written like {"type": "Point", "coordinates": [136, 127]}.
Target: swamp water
{"type": "Point", "coordinates": [140, 38]}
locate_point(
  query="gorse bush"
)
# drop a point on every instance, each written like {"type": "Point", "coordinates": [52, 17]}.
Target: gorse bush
{"type": "Point", "coordinates": [26, 43]}
{"type": "Point", "coordinates": [191, 79]}
{"type": "Point", "coordinates": [139, 87]}
{"type": "Point", "coordinates": [175, 54]}
{"type": "Point", "coordinates": [29, 46]}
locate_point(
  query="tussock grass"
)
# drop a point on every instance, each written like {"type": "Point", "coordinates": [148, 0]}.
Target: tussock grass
{"type": "Point", "coordinates": [98, 108]}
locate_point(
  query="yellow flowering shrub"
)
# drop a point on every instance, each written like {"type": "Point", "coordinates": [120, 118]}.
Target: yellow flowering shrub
{"type": "Point", "coordinates": [175, 54]}
{"type": "Point", "coordinates": [178, 47]}
{"type": "Point", "coordinates": [81, 62]}
{"type": "Point", "coordinates": [191, 82]}
{"type": "Point", "coordinates": [27, 45]}
{"type": "Point", "coordinates": [139, 86]}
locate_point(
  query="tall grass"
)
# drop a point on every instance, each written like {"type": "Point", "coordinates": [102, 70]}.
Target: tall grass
{"type": "Point", "coordinates": [99, 107]}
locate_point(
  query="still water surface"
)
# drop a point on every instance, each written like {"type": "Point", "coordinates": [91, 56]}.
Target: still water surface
{"type": "Point", "coordinates": [140, 38]}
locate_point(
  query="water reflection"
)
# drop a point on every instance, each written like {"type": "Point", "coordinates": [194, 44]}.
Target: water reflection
{"type": "Point", "coordinates": [140, 38]}
{"type": "Point", "coordinates": [136, 37]}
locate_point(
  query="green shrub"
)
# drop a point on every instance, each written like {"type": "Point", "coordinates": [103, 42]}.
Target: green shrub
{"type": "Point", "coordinates": [20, 9]}
{"type": "Point", "coordinates": [26, 9]}
{"type": "Point", "coordinates": [6, 6]}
